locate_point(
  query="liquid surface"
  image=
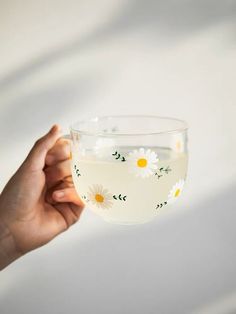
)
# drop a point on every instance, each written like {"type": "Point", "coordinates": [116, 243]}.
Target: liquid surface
{"type": "Point", "coordinates": [129, 185]}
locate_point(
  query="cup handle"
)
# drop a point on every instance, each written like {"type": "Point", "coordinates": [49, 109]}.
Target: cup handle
{"type": "Point", "coordinates": [66, 136]}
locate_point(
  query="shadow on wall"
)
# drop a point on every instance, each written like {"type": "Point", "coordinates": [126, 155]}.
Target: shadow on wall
{"type": "Point", "coordinates": [176, 267]}
{"type": "Point", "coordinates": [38, 109]}
{"type": "Point", "coordinates": [168, 20]}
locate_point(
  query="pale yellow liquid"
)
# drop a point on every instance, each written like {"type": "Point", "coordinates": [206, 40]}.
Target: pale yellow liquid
{"type": "Point", "coordinates": [143, 195]}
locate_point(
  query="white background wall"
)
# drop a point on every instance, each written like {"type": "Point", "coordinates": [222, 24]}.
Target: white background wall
{"type": "Point", "coordinates": [61, 61]}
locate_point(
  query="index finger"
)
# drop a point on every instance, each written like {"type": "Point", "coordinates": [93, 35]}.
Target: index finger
{"type": "Point", "coordinates": [59, 152]}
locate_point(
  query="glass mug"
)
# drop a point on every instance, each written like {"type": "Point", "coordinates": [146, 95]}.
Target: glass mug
{"type": "Point", "coordinates": [128, 169]}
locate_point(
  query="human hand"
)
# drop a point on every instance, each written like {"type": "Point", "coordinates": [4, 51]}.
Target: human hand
{"type": "Point", "coordinates": [40, 201]}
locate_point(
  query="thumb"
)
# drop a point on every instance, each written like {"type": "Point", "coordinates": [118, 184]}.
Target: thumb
{"type": "Point", "coordinates": [36, 158]}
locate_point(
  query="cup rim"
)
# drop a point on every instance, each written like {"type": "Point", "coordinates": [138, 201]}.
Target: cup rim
{"type": "Point", "coordinates": [182, 128]}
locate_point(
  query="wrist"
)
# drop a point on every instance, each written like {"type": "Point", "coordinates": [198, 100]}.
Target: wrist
{"type": "Point", "coordinates": [8, 252]}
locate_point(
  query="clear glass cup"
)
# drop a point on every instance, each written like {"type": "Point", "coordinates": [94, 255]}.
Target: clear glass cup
{"type": "Point", "coordinates": [128, 169]}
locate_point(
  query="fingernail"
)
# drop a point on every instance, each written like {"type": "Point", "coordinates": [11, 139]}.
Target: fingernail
{"type": "Point", "coordinates": [59, 194]}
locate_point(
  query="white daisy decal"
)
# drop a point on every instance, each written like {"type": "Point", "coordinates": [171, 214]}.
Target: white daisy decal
{"type": "Point", "coordinates": [143, 163]}
{"type": "Point", "coordinates": [100, 196]}
{"type": "Point", "coordinates": [176, 191]}
{"type": "Point", "coordinates": [177, 143]}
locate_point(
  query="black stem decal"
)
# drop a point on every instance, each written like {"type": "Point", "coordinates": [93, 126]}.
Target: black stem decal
{"type": "Point", "coordinates": [160, 205]}
{"type": "Point", "coordinates": [84, 197]}
{"type": "Point", "coordinates": [118, 156]}
{"type": "Point", "coordinates": [120, 197]}
{"type": "Point", "coordinates": [161, 171]}
{"type": "Point", "coordinates": [77, 171]}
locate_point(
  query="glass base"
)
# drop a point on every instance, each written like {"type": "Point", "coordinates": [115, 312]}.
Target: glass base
{"type": "Point", "coordinates": [127, 223]}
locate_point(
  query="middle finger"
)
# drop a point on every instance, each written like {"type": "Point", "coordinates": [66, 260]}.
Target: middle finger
{"type": "Point", "coordinates": [57, 172]}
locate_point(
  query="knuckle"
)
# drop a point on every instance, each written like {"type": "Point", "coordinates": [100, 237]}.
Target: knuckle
{"type": "Point", "coordinates": [41, 143]}
{"type": "Point", "coordinates": [38, 142]}
{"type": "Point", "coordinates": [65, 149]}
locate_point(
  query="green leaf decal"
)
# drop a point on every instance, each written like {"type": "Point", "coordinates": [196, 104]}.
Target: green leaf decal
{"type": "Point", "coordinates": [120, 197]}
{"type": "Point", "coordinates": [160, 205]}
{"type": "Point", "coordinates": [77, 171]}
{"type": "Point", "coordinates": [118, 156]}
{"type": "Point", "coordinates": [162, 171]}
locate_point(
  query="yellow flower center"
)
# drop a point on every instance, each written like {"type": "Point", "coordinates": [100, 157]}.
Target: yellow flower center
{"type": "Point", "coordinates": [142, 162]}
{"type": "Point", "coordinates": [99, 198]}
{"type": "Point", "coordinates": [70, 155]}
{"type": "Point", "coordinates": [177, 192]}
